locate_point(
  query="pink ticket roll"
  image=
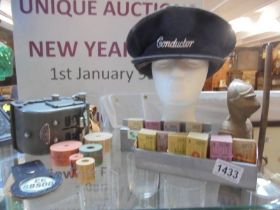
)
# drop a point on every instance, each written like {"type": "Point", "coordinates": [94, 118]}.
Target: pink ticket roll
{"type": "Point", "coordinates": [171, 126]}
{"type": "Point", "coordinates": [221, 147]}
{"type": "Point", "coordinates": [162, 141]}
{"type": "Point", "coordinates": [152, 124]}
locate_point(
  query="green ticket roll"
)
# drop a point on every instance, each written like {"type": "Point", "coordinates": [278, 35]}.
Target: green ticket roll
{"type": "Point", "coordinates": [94, 151]}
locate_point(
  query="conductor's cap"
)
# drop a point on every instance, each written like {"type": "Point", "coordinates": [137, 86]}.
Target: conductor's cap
{"type": "Point", "coordinates": [180, 32]}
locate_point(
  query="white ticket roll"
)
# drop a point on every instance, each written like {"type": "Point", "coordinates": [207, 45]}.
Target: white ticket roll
{"type": "Point", "coordinates": [102, 138]}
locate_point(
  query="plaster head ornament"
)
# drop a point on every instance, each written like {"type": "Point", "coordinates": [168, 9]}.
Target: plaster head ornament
{"type": "Point", "coordinates": [242, 103]}
{"type": "Point", "coordinates": [241, 98]}
{"type": "Point", "coordinates": [180, 32]}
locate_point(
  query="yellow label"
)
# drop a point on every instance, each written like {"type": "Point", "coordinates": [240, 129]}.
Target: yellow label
{"type": "Point", "coordinates": [244, 150]}
{"type": "Point", "coordinates": [194, 126]}
{"type": "Point", "coordinates": [135, 124]}
{"type": "Point", "coordinates": [147, 139]}
{"type": "Point", "coordinates": [196, 144]}
{"type": "Point", "coordinates": [6, 90]}
{"type": "Point", "coordinates": [177, 143]}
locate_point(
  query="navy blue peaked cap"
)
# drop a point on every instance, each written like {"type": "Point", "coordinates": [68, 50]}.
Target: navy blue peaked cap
{"type": "Point", "coordinates": [180, 32]}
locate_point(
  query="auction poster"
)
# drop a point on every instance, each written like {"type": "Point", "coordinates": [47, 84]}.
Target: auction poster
{"type": "Point", "coordinates": [68, 46]}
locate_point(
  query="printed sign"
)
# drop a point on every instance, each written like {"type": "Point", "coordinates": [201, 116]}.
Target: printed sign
{"type": "Point", "coordinates": [66, 46]}
{"type": "Point", "coordinates": [228, 171]}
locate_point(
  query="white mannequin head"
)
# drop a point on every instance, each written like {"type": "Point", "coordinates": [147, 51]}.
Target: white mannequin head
{"type": "Point", "coordinates": [179, 81]}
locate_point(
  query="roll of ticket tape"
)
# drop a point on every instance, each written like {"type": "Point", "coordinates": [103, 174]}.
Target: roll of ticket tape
{"type": "Point", "coordinates": [73, 158]}
{"type": "Point", "coordinates": [86, 170]}
{"type": "Point", "coordinates": [60, 152]}
{"type": "Point", "coordinates": [102, 138]}
{"type": "Point", "coordinates": [94, 151]}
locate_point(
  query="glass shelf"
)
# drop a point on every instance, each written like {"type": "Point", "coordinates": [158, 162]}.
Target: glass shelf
{"type": "Point", "coordinates": [68, 195]}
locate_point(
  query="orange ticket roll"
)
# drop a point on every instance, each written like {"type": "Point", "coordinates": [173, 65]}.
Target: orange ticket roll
{"type": "Point", "coordinates": [244, 150]}
{"type": "Point", "coordinates": [60, 152]}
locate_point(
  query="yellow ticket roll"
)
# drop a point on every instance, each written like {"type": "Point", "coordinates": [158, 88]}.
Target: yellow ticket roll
{"type": "Point", "coordinates": [194, 127]}
{"type": "Point", "coordinates": [147, 139]}
{"type": "Point", "coordinates": [177, 143]}
{"type": "Point", "coordinates": [244, 150]}
{"type": "Point", "coordinates": [135, 123]}
{"type": "Point", "coordinates": [86, 170]}
{"type": "Point", "coordinates": [197, 144]}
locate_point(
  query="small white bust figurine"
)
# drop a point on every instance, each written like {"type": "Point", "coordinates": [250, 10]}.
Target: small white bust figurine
{"type": "Point", "coordinates": [242, 103]}
{"type": "Point", "coordinates": [178, 83]}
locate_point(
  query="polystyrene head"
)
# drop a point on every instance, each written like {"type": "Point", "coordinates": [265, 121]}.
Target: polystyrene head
{"type": "Point", "coordinates": [179, 81]}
